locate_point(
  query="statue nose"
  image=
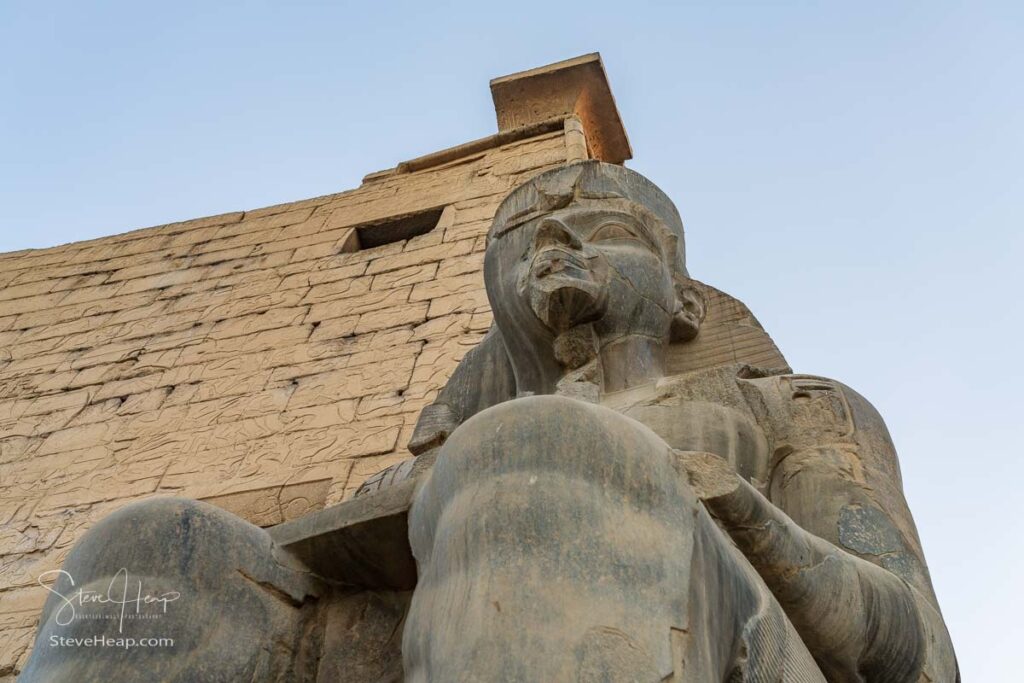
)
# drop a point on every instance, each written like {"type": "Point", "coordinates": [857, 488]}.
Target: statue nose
{"type": "Point", "coordinates": [552, 233]}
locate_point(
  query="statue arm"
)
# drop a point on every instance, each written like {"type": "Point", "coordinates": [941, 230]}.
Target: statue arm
{"type": "Point", "coordinates": [483, 378]}
{"type": "Point", "coordinates": [835, 543]}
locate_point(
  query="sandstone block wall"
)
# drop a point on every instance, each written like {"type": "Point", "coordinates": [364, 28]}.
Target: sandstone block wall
{"type": "Point", "coordinates": [250, 359]}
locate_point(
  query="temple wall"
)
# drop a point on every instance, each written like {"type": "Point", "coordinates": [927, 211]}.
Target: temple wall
{"type": "Point", "coordinates": [262, 360]}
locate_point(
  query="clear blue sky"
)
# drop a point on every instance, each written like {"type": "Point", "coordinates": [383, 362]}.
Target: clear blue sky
{"type": "Point", "coordinates": [853, 171]}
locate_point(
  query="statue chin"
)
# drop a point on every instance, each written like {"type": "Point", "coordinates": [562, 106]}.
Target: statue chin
{"type": "Point", "coordinates": [561, 303]}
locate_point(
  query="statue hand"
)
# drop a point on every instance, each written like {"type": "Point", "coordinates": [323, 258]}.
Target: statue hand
{"type": "Point", "coordinates": [809, 576]}
{"type": "Point", "coordinates": [710, 476]}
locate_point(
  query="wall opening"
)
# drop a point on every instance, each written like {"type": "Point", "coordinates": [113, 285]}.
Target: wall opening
{"type": "Point", "coordinates": [397, 228]}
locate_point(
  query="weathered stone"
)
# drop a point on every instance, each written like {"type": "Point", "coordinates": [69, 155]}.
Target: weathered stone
{"type": "Point", "coordinates": [370, 301]}
{"type": "Point", "coordinates": [354, 382]}
{"type": "Point", "coordinates": [419, 256]}
{"type": "Point", "coordinates": [406, 276]}
{"type": "Point", "coordinates": [595, 493]}
{"type": "Point", "coordinates": [406, 314]}
{"type": "Point", "coordinates": [469, 301]}
{"type": "Point", "coordinates": [269, 600]}
{"type": "Point", "coordinates": [348, 544]}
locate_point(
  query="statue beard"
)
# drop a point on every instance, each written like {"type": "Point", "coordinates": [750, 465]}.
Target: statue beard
{"type": "Point", "coordinates": [563, 291]}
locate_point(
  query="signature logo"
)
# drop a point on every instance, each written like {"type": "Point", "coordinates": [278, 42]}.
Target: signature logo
{"type": "Point", "coordinates": [123, 594]}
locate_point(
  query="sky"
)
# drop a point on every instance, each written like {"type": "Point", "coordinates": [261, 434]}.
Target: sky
{"type": "Point", "coordinates": [854, 172]}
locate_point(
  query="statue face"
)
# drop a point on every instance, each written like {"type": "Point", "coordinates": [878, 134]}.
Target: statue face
{"type": "Point", "coordinates": [605, 266]}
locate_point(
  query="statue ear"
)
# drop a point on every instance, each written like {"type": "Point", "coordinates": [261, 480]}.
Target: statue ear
{"type": "Point", "coordinates": [690, 309]}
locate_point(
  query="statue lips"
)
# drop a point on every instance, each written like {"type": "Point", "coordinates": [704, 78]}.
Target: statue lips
{"type": "Point", "coordinates": [564, 290]}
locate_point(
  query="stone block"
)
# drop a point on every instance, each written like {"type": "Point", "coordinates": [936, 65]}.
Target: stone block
{"type": "Point", "coordinates": [337, 289]}
{"type": "Point", "coordinates": [468, 301]}
{"type": "Point", "coordinates": [420, 256]}
{"type": "Point", "coordinates": [400, 315]}
{"type": "Point", "coordinates": [364, 380]}
{"type": "Point", "coordinates": [405, 276]}
{"type": "Point", "coordinates": [447, 286]}
{"type": "Point", "coordinates": [356, 305]}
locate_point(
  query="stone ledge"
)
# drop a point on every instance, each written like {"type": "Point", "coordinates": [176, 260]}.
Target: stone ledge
{"type": "Point", "coordinates": [575, 87]}
{"type": "Point", "coordinates": [362, 542]}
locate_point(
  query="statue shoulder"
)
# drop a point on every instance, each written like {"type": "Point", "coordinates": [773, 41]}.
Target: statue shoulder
{"type": "Point", "coordinates": [802, 411]}
{"type": "Point", "coordinates": [835, 472]}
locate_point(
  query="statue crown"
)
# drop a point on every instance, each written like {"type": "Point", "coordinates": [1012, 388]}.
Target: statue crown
{"type": "Point", "coordinates": [584, 182]}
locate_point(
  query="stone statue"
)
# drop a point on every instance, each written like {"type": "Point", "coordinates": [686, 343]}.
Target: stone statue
{"type": "Point", "coordinates": [576, 510]}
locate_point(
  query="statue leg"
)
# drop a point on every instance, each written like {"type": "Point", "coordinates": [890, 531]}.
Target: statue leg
{"type": "Point", "coordinates": [173, 590]}
{"type": "Point", "coordinates": [556, 542]}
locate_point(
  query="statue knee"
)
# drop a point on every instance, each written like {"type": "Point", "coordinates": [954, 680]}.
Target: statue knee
{"type": "Point", "coordinates": [545, 421]}
{"type": "Point", "coordinates": [539, 443]}
{"type": "Point", "coordinates": [546, 410]}
{"type": "Point", "coordinates": [206, 583]}
{"type": "Point", "coordinates": [164, 535]}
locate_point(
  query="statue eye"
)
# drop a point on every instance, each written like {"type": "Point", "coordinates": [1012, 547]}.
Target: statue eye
{"type": "Point", "coordinates": [612, 231]}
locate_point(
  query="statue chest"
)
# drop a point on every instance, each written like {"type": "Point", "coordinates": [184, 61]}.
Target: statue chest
{"type": "Point", "coordinates": [703, 412]}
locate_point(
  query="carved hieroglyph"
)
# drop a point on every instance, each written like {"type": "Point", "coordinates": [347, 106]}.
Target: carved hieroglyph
{"type": "Point", "coordinates": [610, 488]}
